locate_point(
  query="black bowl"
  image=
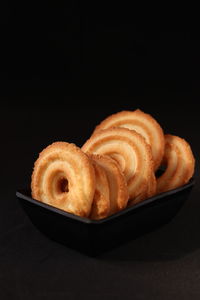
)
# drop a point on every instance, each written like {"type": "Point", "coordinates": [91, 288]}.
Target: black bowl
{"type": "Point", "coordinates": [94, 237]}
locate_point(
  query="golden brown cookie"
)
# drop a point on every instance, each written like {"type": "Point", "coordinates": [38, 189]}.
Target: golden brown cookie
{"type": "Point", "coordinates": [129, 149]}
{"type": "Point", "coordinates": [148, 193]}
{"type": "Point", "coordinates": [144, 124]}
{"type": "Point", "coordinates": [63, 177]}
{"type": "Point", "coordinates": [179, 162]}
{"type": "Point", "coordinates": [152, 186]}
{"type": "Point", "coordinates": [101, 202]}
{"type": "Point", "coordinates": [118, 191]}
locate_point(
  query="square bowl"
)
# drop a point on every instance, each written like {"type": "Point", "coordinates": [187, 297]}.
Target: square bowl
{"type": "Point", "coordinates": [93, 237]}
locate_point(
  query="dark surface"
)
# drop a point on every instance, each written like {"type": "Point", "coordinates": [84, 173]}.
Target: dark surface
{"type": "Point", "coordinates": [93, 62]}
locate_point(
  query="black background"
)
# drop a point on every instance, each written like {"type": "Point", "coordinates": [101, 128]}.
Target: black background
{"type": "Point", "coordinates": [64, 68]}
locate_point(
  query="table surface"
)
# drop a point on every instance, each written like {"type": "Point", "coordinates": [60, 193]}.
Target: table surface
{"type": "Point", "coordinates": [164, 264]}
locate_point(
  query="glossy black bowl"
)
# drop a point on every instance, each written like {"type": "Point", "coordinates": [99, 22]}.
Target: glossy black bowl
{"type": "Point", "coordinates": [93, 237]}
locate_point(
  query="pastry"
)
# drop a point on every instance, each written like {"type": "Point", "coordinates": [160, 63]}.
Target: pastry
{"type": "Point", "coordinates": [129, 149]}
{"type": "Point", "coordinates": [150, 191]}
{"type": "Point", "coordinates": [115, 168]}
{"type": "Point", "coordinates": [101, 201]}
{"type": "Point", "coordinates": [118, 191]}
{"type": "Point", "coordinates": [64, 177]}
{"type": "Point", "coordinates": [144, 124]}
{"type": "Point", "coordinates": [179, 162]}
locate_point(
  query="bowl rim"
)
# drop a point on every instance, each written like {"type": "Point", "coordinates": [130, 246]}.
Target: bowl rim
{"type": "Point", "coordinates": [20, 193]}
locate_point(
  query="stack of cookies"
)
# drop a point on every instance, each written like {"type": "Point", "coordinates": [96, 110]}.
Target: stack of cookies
{"type": "Point", "coordinates": [114, 169]}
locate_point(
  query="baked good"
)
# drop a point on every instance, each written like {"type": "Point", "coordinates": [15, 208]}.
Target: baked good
{"type": "Point", "coordinates": [129, 149]}
{"type": "Point", "coordinates": [118, 191]}
{"type": "Point", "coordinates": [115, 168]}
{"type": "Point", "coordinates": [101, 201]}
{"type": "Point", "coordinates": [150, 191]}
{"type": "Point", "coordinates": [179, 162]}
{"type": "Point", "coordinates": [144, 124]}
{"type": "Point", "coordinates": [64, 177]}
